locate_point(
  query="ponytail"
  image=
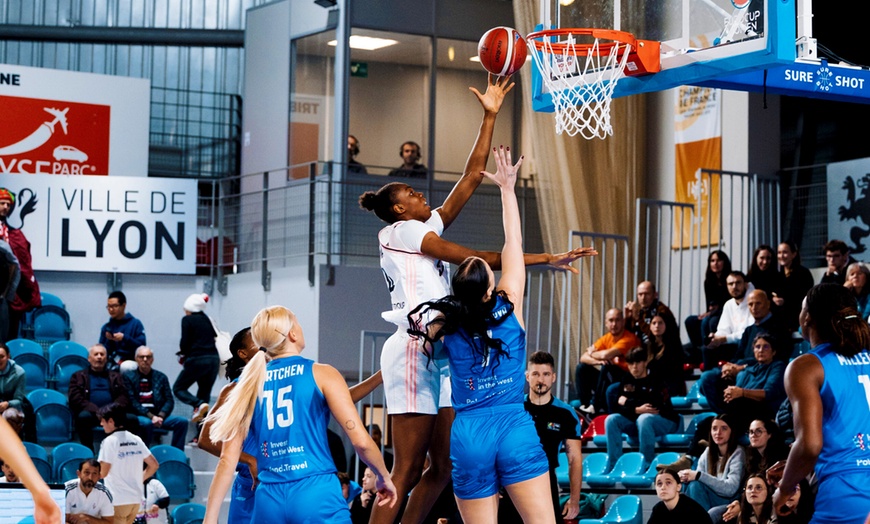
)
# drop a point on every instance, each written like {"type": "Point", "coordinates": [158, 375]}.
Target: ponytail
{"type": "Point", "coordinates": [233, 418]}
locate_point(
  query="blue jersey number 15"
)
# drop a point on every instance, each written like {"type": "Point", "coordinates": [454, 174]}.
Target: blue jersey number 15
{"type": "Point", "coordinates": [284, 405]}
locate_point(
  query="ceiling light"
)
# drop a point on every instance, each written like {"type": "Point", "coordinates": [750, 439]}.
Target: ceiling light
{"type": "Point", "coordinates": [474, 58]}
{"type": "Point", "coordinates": [367, 43]}
{"type": "Point", "coordinates": [566, 2]}
{"type": "Point", "coordinates": [451, 53]}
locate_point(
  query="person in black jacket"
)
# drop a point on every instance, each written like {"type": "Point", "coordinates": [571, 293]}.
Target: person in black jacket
{"type": "Point", "coordinates": [674, 506]}
{"type": "Point", "coordinates": [198, 356]}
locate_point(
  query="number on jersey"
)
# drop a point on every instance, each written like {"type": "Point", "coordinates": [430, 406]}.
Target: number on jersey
{"type": "Point", "coordinates": [283, 404]}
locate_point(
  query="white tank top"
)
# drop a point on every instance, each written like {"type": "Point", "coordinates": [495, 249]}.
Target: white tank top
{"type": "Point", "coordinates": [411, 276]}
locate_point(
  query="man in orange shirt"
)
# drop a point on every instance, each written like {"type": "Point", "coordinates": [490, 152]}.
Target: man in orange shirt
{"type": "Point", "coordinates": [603, 363]}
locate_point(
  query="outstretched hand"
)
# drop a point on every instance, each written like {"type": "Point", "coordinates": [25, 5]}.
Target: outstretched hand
{"type": "Point", "coordinates": [562, 261]}
{"type": "Point", "coordinates": [386, 492]}
{"type": "Point", "coordinates": [505, 176]}
{"type": "Point", "coordinates": [495, 92]}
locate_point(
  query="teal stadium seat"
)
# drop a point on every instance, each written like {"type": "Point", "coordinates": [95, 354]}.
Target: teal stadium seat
{"type": "Point", "coordinates": [188, 513]}
{"type": "Point", "coordinates": [626, 509]}
{"type": "Point", "coordinates": [629, 464]}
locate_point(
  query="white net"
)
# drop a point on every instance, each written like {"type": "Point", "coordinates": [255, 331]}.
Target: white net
{"type": "Point", "coordinates": [581, 80]}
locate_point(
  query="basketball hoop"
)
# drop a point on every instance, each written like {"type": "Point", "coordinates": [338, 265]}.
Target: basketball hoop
{"type": "Point", "coordinates": [581, 75]}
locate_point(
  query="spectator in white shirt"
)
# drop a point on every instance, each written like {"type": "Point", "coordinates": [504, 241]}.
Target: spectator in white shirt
{"type": "Point", "coordinates": [88, 502]}
{"type": "Point", "coordinates": [735, 318]}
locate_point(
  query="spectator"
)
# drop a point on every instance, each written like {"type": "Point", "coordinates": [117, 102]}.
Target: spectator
{"type": "Point", "coordinates": [198, 355]}
{"type": "Point", "coordinates": [603, 363]}
{"type": "Point", "coordinates": [639, 313]}
{"type": "Point", "coordinates": [756, 504]}
{"type": "Point", "coordinates": [87, 500]}
{"type": "Point", "coordinates": [151, 400]}
{"type": "Point", "coordinates": [10, 275]}
{"type": "Point", "coordinates": [352, 151]}
{"type": "Point", "coordinates": [734, 319]}
{"type": "Point", "coordinates": [123, 333]}
{"type": "Point", "coordinates": [361, 508]}
{"type": "Point", "coordinates": [12, 382]}
{"type": "Point", "coordinates": [557, 424]}
{"type": "Point", "coordinates": [411, 166]}
{"type": "Point", "coordinates": [27, 294]}
{"type": "Point", "coordinates": [122, 455]}
{"type": "Point", "coordinates": [666, 357]}
{"type": "Point", "coordinates": [857, 277]}
{"type": "Point", "coordinates": [92, 389]}
{"type": "Point", "coordinates": [8, 474]}
{"type": "Point", "coordinates": [16, 420]}
{"type": "Point", "coordinates": [344, 480]}
{"type": "Point", "coordinates": [154, 507]}
{"type": "Point", "coordinates": [838, 259]}
{"type": "Point", "coordinates": [762, 271]}
{"type": "Point", "coordinates": [643, 409]}
{"type": "Point", "coordinates": [716, 481]}
{"type": "Point", "coordinates": [699, 327]}
{"type": "Point", "coordinates": [796, 281]}
{"type": "Point", "coordinates": [673, 506]}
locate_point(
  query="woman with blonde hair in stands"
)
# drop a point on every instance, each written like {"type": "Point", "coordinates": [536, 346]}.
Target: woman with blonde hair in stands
{"type": "Point", "coordinates": [283, 406]}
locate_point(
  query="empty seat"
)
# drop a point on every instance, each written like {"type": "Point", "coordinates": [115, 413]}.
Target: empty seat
{"type": "Point", "coordinates": [685, 438]}
{"type": "Point", "coordinates": [65, 459]}
{"type": "Point", "coordinates": [178, 479]}
{"type": "Point", "coordinates": [49, 299]}
{"type": "Point", "coordinates": [596, 428]}
{"type": "Point", "coordinates": [690, 398]}
{"type": "Point", "coordinates": [188, 513]}
{"type": "Point", "coordinates": [629, 464]}
{"type": "Point", "coordinates": [39, 457]}
{"type": "Point", "coordinates": [163, 452]}
{"type": "Point", "coordinates": [626, 509]}
{"type": "Point", "coordinates": [63, 370]}
{"type": "Point", "coordinates": [20, 346]}
{"type": "Point", "coordinates": [50, 324]}
{"type": "Point", "coordinates": [594, 464]}
{"type": "Point", "coordinates": [646, 478]}
{"type": "Point", "coordinates": [63, 348]}
{"type": "Point", "coordinates": [35, 369]}
{"type": "Point", "coordinates": [52, 416]}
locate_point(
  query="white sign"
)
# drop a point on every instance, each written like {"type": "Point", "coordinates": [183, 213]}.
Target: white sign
{"type": "Point", "coordinates": [849, 205]}
{"type": "Point", "coordinates": [71, 123]}
{"type": "Point", "coordinates": [106, 224]}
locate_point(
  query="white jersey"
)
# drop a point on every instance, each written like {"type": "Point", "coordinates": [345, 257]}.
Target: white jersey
{"type": "Point", "coordinates": [126, 453]}
{"type": "Point", "coordinates": [97, 504]}
{"type": "Point", "coordinates": [412, 277]}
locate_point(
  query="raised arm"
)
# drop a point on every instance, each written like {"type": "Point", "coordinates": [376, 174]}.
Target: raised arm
{"type": "Point", "coordinates": [361, 390]}
{"type": "Point", "coordinates": [491, 102]}
{"type": "Point", "coordinates": [513, 266]}
{"type": "Point", "coordinates": [334, 388]}
{"type": "Point", "coordinates": [803, 381]}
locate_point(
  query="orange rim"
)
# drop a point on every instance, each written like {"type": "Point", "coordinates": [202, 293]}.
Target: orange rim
{"type": "Point", "coordinates": [619, 38]}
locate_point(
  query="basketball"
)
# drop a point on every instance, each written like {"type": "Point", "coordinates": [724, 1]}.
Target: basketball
{"type": "Point", "coordinates": [502, 51]}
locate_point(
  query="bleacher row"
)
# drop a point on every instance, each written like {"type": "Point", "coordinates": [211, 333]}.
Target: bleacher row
{"type": "Point", "coordinates": [49, 359]}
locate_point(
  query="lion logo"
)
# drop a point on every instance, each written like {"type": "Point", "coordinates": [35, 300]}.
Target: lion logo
{"type": "Point", "coordinates": [859, 208]}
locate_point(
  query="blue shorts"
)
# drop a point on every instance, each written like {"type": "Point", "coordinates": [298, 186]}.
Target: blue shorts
{"type": "Point", "coordinates": [494, 447]}
{"type": "Point", "coordinates": [242, 499]}
{"type": "Point", "coordinates": [842, 499]}
{"type": "Point", "coordinates": [310, 500]}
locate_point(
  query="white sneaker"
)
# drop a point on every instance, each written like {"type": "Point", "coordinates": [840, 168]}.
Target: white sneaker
{"type": "Point", "coordinates": [199, 413]}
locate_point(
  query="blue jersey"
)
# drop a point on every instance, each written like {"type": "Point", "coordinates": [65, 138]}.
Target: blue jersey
{"type": "Point", "coordinates": [486, 381]}
{"type": "Point", "coordinates": [846, 420]}
{"type": "Point", "coordinates": [288, 428]}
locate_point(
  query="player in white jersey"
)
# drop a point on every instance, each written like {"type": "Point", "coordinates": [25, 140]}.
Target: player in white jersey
{"type": "Point", "coordinates": [414, 260]}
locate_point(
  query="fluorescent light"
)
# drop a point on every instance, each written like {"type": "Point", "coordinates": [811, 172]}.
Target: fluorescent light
{"type": "Point", "coordinates": [566, 2]}
{"type": "Point", "coordinates": [367, 43]}
{"type": "Point", "coordinates": [474, 58]}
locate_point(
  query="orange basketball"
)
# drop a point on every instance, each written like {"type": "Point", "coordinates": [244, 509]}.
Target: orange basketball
{"type": "Point", "coordinates": [502, 51]}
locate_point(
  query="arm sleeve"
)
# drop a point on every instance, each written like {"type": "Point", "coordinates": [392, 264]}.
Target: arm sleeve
{"type": "Point", "coordinates": [106, 508]}
{"type": "Point", "coordinates": [186, 339]}
{"type": "Point", "coordinates": [729, 483]}
{"type": "Point", "coordinates": [160, 494]}
{"type": "Point", "coordinates": [137, 335]}
{"type": "Point", "coordinates": [725, 321]}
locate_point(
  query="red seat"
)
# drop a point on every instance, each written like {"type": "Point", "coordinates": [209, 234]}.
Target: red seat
{"type": "Point", "coordinates": [595, 428]}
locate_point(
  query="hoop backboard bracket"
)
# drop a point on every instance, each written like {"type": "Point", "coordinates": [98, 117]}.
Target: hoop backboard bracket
{"type": "Point", "coordinates": [701, 40]}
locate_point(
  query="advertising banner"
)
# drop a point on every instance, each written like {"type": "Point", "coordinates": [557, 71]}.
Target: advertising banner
{"type": "Point", "coordinates": [69, 123]}
{"type": "Point", "coordinates": [106, 224]}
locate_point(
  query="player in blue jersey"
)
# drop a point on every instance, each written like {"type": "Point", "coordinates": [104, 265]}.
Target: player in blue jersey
{"type": "Point", "coordinates": [280, 411]}
{"type": "Point", "coordinates": [829, 390]}
{"type": "Point", "coordinates": [493, 441]}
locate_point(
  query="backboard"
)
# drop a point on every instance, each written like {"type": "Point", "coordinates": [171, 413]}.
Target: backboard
{"type": "Point", "coordinates": [700, 39]}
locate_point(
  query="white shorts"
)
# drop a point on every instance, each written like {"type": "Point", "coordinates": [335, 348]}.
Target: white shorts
{"type": "Point", "coordinates": [412, 383]}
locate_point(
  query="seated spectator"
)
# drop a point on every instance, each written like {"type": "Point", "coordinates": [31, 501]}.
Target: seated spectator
{"type": "Point", "coordinates": [758, 389]}
{"type": "Point", "coordinates": [762, 271]}
{"type": "Point", "coordinates": [756, 504]}
{"type": "Point", "coordinates": [12, 382]}
{"type": "Point", "coordinates": [361, 508]}
{"type": "Point", "coordinates": [122, 455]}
{"type": "Point", "coordinates": [411, 166]}
{"type": "Point", "coordinates": [674, 506]}
{"type": "Point", "coordinates": [716, 481]}
{"type": "Point", "coordinates": [699, 327]}
{"type": "Point", "coordinates": [666, 357]}
{"type": "Point", "coordinates": [643, 409]}
{"type": "Point", "coordinates": [639, 313]}
{"type": "Point", "coordinates": [734, 320]}
{"type": "Point", "coordinates": [766, 446]}
{"type": "Point", "coordinates": [154, 507]}
{"type": "Point", "coordinates": [857, 277]}
{"type": "Point", "coordinates": [838, 259]}
{"type": "Point", "coordinates": [603, 363]}
{"type": "Point", "coordinates": [87, 500]}
{"type": "Point", "coordinates": [92, 389]}
{"type": "Point", "coordinates": [8, 474]}
{"type": "Point", "coordinates": [352, 151]}
{"type": "Point", "coordinates": [151, 400]}
{"type": "Point", "coordinates": [344, 480]}
{"type": "Point", "coordinates": [796, 281]}
{"type": "Point", "coordinates": [123, 333]}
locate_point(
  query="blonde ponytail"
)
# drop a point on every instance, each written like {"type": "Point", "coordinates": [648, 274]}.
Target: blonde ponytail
{"type": "Point", "coordinates": [233, 417]}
